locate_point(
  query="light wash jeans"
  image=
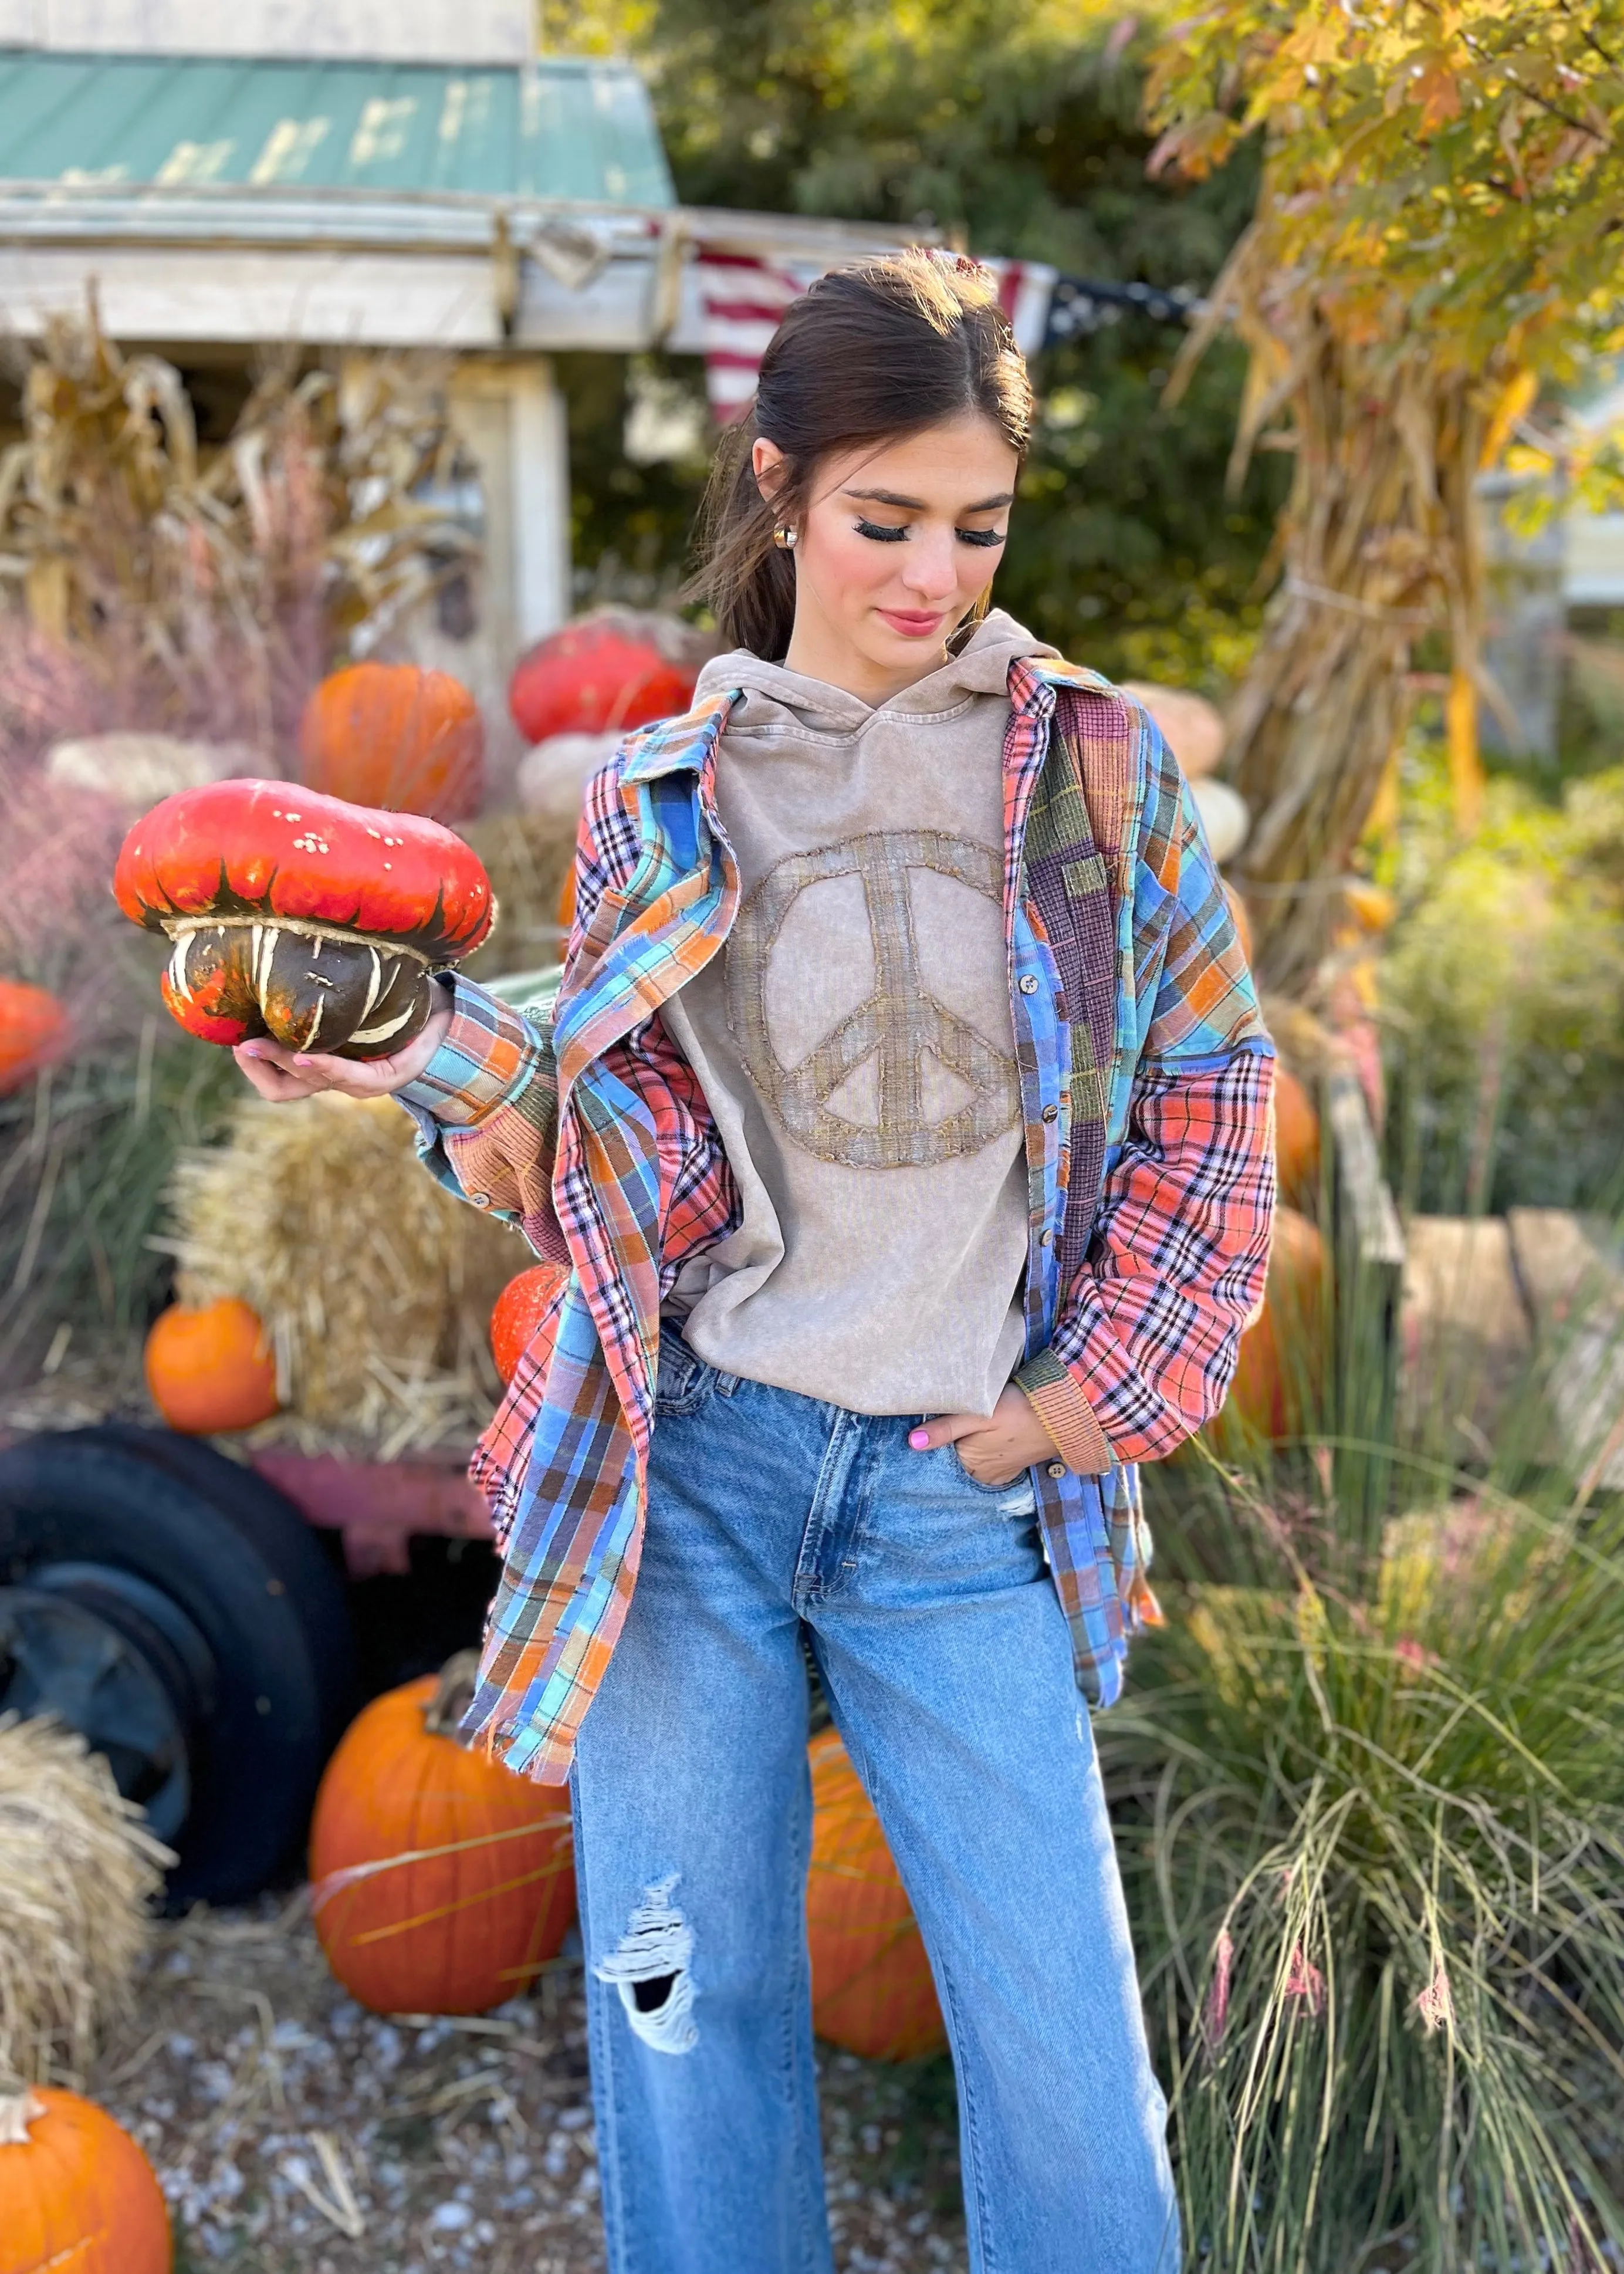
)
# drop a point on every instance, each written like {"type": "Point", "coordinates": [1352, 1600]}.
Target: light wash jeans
{"type": "Point", "coordinates": [948, 1664]}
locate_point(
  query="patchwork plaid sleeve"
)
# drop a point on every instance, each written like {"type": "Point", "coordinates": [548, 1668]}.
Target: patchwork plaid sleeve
{"type": "Point", "coordinates": [486, 1111]}
{"type": "Point", "coordinates": [1195, 994]}
{"type": "Point", "coordinates": [1144, 1349]}
{"type": "Point", "coordinates": [486, 1105]}
{"type": "Point", "coordinates": [1146, 1340]}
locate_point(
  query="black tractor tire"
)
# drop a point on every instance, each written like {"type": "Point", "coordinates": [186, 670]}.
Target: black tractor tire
{"type": "Point", "coordinates": [291, 1548]}
{"type": "Point", "coordinates": [238, 1562]}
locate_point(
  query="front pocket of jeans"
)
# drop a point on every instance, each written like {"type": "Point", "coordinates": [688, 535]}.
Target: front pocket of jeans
{"type": "Point", "coordinates": [684, 1382]}
{"type": "Point", "coordinates": [1019, 1483]}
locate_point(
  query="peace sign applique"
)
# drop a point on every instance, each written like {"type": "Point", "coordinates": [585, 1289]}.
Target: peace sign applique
{"type": "Point", "coordinates": [902, 1036]}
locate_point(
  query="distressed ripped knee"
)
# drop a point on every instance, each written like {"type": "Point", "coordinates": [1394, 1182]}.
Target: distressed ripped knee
{"type": "Point", "coordinates": [651, 1970]}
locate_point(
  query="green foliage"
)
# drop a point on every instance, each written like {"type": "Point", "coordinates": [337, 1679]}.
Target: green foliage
{"type": "Point", "coordinates": [1015, 126]}
{"type": "Point", "coordinates": [1457, 169]}
{"type": "Point", "coordinates": [1503, 992]}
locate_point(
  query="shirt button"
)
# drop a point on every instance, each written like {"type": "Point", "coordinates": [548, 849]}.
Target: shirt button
{"type": "Point", "coordinates": [1048, 1239]}
{"type": "Point", "coordinates": [1028, 985]}
{"type": "Point", "coordinates": [1056, 1468]}
{"type": "Point", "coordinates": [1052, 1113]}
{"type": "Point", "coordinates": [480, 1200]}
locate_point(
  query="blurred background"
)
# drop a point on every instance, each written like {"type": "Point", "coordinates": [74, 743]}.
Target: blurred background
{"type": "Point", "coordinates": [359, 377]}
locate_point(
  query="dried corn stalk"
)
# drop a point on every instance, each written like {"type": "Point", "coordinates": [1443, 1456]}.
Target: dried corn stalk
{"type": "Point", "coordinates": [374, 1286]}
{"type": "Point", "coordinates": [240, 566]}
{"type": "Point", "coordinates": [1379, 540]}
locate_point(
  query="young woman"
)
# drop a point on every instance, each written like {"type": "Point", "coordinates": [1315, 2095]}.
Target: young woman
{"type": "Point", "coordinates": [904, 1117]}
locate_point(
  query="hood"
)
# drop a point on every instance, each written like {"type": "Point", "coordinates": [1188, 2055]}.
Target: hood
{"type": "Point", "coordinates": [775, 696]}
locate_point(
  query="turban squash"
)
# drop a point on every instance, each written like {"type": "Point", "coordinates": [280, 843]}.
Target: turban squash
{"type": "Point", "coordinates": [295, 914]}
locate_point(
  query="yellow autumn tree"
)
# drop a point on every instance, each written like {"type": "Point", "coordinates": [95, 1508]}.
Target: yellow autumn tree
{"type": "Point", "coordinates": [1439, 238]}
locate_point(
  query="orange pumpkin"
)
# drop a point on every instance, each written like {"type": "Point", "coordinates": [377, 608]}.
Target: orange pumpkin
{"type": "Point", "coordinates": [442, 1883]}
{"type": "Point", "coordinates": [1297, 1139]}
{"type": "Point", "coordinates": [211, 1369]}
{"type": "Point", "coordinates": [33, 1029]}
{"type": "Point", "coordinates": [78, 2193]}
{"type": "Point", "coordinates": [389, 735]}
{"type": "Point", "coordinates": [1281, 1356]}
{"type": "Point", "coordinates": [872, 1992]}
{"type": "Point", "coordinates": [517, 1312]}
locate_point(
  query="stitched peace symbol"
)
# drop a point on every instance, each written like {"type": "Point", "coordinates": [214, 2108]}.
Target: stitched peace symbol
{"type": "Point", "coordinates": [901, 1025]}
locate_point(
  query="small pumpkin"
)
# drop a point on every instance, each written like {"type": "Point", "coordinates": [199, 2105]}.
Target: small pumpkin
{"type": "Point", "coordinates": [34, 1030]}
{"type": "Point", "coordinates": [518, 1311]}
{"type": "Point", "coordinates": [872, 1992]}
{"type": "Point", "coordinates": [210, 1367]}
{"type": "Point", "coordinates": [441, 1882]}
{"type": "Point", "coordinates": [390, 734]}
{"type": "Point", "coordinates": [295, 914]}
{"type": "Point", "coordinates": [75, 2191]}
{"type": "Point", "coordinates": [1297, 1139]}
{"type": "Point", "coordinates": [608, 673]}
{"type": "Point", "coordinates": [1282, 1357]}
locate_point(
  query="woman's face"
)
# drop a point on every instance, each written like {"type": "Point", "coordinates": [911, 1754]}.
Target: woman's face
{"type": "Point", "coordinates": [895, 546]}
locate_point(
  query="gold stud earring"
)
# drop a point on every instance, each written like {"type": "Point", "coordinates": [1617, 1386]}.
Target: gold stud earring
{"type": "Point", "coordinates": [783, 536]}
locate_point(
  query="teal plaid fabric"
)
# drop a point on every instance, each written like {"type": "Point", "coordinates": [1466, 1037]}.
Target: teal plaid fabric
{"type": "Point", "coordinates": [1145, 1073]}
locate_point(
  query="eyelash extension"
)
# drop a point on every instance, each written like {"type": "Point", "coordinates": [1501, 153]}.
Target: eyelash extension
{"type": "Point", "coordinates": [889, 533]}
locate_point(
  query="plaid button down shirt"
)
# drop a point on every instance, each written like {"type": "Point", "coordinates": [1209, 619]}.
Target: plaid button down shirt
{"type": "Point", "coordinates": [1146, 1088]}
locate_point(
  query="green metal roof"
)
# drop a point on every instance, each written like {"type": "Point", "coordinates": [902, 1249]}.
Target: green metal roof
{"type": "Point", "coordinates": [576, 130]}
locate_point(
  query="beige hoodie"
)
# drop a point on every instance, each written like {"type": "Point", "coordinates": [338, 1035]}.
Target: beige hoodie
{"type": "Point", "coordinates": [855, 1043]}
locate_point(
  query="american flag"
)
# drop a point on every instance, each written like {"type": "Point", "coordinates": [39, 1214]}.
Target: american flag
{"type": "Point", "coordinates": [738, 298]}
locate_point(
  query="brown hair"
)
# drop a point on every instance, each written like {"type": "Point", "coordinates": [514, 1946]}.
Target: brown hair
{"type": "Point", "coordinates": [867, 355]}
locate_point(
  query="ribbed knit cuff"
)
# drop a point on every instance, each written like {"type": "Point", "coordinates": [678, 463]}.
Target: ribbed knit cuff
{"type": "Point", "coordinates": [487, 1055]}
{"type": "Point", "coordinates": [1066, 1414]}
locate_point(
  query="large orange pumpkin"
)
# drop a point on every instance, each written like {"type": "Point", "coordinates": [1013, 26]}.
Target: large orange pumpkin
{"type": "Point", "coordinates": [1283, 1352]}
{"type": "Point", "coordinates": [33, 1029]}
{"type": "Point", "coordinates": [211, 1369]}
{"type": "Point", "coordinates": [1297, 1139]}
{"type": "Point", "coordinates": [78, 2194]}
{"type": "Point", "coordinates": [600, 676]}
{"type": "Point", "coordinates": [517, 1312]}
{"type": "Point", "coordinates": [441, 1882]}
{"type": "Point", "coordinates": [872, 1992]}
{"type": "Point", "coordinates": [390, 734]}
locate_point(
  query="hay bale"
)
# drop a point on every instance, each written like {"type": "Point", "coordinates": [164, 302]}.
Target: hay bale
{"type": "Point", "coordinates": [79, 1875]}
{"type": "Point", "coordinates": [374, 1286]}
{"type": "Point", "coordinates": [527, 857]}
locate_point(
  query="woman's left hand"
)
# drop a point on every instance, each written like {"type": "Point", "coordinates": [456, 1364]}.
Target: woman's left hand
{"type": "Point", "coordinates": [994, 1447]}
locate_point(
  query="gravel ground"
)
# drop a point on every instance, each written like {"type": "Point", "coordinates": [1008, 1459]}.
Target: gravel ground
{"type": "Point", "coordinates": [296, 2133]}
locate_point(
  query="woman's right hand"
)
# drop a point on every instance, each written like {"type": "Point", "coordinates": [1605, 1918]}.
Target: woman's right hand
{"type": "Point", "coordinates": [280, 1075]}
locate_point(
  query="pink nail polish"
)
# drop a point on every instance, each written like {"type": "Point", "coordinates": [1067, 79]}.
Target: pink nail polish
{"type": "Point", "coordinates": [919, 1440]}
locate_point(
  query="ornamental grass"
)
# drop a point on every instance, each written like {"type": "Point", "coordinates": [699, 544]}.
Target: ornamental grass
{"type": "Point", "coordinates": [1369, 1790]}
